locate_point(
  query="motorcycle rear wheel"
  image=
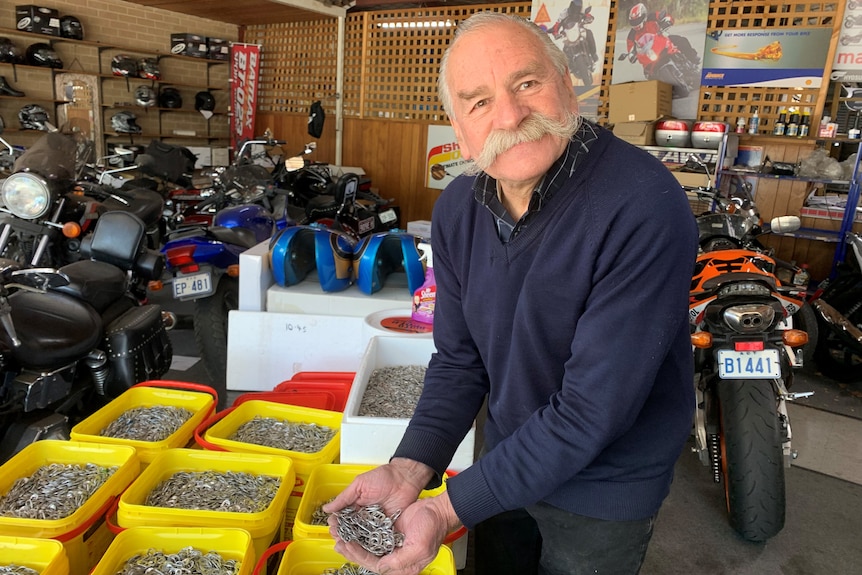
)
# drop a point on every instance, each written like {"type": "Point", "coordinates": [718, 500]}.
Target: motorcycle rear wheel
{"type": "Point", "coordinates": [835, 356]}
{"type": "Point", "coordinates": [752, 458]}
{"type": "Point", "coordinates": [210, 317]}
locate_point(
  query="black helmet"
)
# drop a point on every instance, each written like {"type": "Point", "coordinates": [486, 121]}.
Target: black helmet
{"type": "Point", "coordinates": [9, 52]}
{"type": "Point", "coordinates": [34, 117]}
{"type": "Point", "coordinates": [124, 65]}
{"type": "Point", "coordinates": [204, 100]}
{"type": "Point", "coordinates": [41, 54]}
{"type": "Point", "coordinates": [70, 27]}
{"type": "Point", "coordinates": [149, 68]}
{"type": "Point", "coordinates": [124, 123]}
{"type": "Point", "coordinates": [170, 98]}
{"type": "Point", "coordinates": [145, 96]}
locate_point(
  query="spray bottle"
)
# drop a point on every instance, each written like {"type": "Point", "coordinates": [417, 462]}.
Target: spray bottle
{"type": "Point", "coordinates": [425, 297]}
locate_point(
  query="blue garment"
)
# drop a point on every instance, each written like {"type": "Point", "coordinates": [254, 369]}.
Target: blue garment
{"type": "Point", "coordinates": [577, 329]}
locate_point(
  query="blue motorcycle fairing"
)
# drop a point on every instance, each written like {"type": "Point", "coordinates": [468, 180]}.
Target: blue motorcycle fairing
{"type": "Point", "coordinates": [379, 255]}
{"type": "Point", "coordinates": [297, 250]}
{"type": "Point", "coordinates": [207, 251]}
{"type": "Point", "coordinates": [250, 216]}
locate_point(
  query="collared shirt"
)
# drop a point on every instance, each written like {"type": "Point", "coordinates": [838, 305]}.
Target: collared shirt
{"type": "Point", "coordinates": [485, 187]}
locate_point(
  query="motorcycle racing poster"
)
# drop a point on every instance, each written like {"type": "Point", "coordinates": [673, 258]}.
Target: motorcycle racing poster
{"type": "Point", "coordinates": [574, 26]}
{"type": "Point", "coordinates": [662, 40]}
{"type": "Point", "coordinates": [244, 74]}
{"type": "Point", "coordinates": [847, 64]}
{"type": "Point", "coordinates": [789, 58]}
{"type": "Point", "coordinates": [443, 159]}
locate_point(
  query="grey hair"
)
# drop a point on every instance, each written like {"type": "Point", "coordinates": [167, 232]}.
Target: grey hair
{"type": "Point", "coordinates": [484, 19]}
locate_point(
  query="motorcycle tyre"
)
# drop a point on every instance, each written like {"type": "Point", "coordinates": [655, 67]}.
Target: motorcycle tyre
{"type": "Point", "coordinates": [834, 357]}
{"type": "Point", "coordinates": [670, 74]}
{"type": "Point", "coordinates": [752, 458]}
{"type": "Point", "coordinates": [581, 70]}
{"type": "Point", "coordinates": [210, 317]}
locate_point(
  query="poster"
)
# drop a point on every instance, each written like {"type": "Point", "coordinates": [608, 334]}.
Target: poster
{"type": "Point", "coordinates": [787, 58]}
{"type": "Point", "coordinates": [578, 28]}
{"type": "Point", "coordinates": [847, 65]}
{"type": "Point", "coordinates": [443, 159]}
{"type": "Point", "coordinates": [665, 45]}
{"type": "Point", "coordinates": [244, 74]}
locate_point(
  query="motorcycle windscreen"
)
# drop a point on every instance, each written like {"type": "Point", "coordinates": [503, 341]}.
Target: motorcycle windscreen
{"type": "Point", "coordinates": [52, 157]}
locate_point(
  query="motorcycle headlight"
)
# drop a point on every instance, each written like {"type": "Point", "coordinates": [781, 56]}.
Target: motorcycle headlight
{"type": "Point", "coordinates": [26, 195]}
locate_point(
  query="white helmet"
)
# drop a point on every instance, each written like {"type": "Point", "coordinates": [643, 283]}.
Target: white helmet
{"type": "Point", "coordinates": [145, 96]}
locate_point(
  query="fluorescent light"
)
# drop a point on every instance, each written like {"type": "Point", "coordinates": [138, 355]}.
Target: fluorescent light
{"type": "Point", "coordinates": [415, 24]}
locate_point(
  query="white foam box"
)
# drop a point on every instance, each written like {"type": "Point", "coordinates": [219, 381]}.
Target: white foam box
{"type": "Point", "coordinates": [308, 297]}
{"type": "Point", "coordinates": [373, 440]}
{"type": "Point", "coordinates": [255, 277]}
{"type": "Point", "coordinates": [421, 228]}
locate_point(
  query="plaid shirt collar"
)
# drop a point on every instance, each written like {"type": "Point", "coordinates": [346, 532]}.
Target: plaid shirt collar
{"type": "Point", "coordinates": [485, 187]}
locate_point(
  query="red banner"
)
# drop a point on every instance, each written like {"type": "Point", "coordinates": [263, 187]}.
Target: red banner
{"type": "Point", "coordinates": [245, 68]}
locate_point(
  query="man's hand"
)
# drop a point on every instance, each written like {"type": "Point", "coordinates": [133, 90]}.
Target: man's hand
{"type": "Point", "coordinates": [394, 486]}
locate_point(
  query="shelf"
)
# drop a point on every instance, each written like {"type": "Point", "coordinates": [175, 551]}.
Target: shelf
{"type": "Point", "coordinates": [747, 174]}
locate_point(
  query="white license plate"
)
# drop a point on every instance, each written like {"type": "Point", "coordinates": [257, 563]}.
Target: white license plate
{"type": "Point", "coordinates": [193, 286]}
{"type": "Point", "coordinates": [763, 364]}
{"type": "Point", "coordinates": [387, 216]}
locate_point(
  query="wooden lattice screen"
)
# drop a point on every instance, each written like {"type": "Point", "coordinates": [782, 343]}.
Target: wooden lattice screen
{"type": "Point", "coordinates": [391, 60]}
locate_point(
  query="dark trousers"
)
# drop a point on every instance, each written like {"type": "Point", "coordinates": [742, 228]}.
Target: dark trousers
{"type": "Point", "coordinates": [544, 540]}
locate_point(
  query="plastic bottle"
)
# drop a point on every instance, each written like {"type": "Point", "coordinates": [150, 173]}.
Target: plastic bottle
{"type": "Point", "coordinates": [793, 123]}
{"type": "Point", "coordinates": [802, 277]}
{"type": "Point", "coordinates": [805, 123]}
{"type": "Point", "coordinates": [425, 296]}
{"type": "Point", "coordinates": [754, 123]}
{"type": "Point", "coordinates": [781, 123]}
{"type": "Point", "coordinates": [740, 125]}
{"type": "Point", "coordinates": [854, 132]}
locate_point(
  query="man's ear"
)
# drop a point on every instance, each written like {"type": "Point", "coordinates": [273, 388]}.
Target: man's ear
{"type": "Point", "coordinates": [462, 144]}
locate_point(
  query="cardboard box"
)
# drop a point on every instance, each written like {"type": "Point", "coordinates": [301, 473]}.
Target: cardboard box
{"type": "Point", "coordinates": [218, 49]}
{"type": "Point", "coordinates": [186, 44]}
{"type": "Point", "coordinates": [30, 18]}
{"type": "Point", "coordinates": [639, 101]}
{"type": "Point", "coordinates": [637, 133]}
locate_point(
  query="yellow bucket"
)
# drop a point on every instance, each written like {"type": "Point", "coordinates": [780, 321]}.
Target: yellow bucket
{"type": "Point", "coordinates": [313, 556]}
{"type": "Point", "coordinates": [262, 525]}
{"type": "Point", "coordinates": [46, 556]}
{"type": "Point", "coordinates": [149, 394]}
{"type": "Point", "coordinates": [84, 533]}
{"type": "Point", "coordinates": [229, 543]}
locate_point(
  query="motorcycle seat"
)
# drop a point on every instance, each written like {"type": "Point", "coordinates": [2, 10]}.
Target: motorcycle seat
{"type": "Point", "coordinates": [237, 236]}
{"type": "Point", "coordinates": [146, 204]}
{"type": "Point", "coordinates": [55, 329]}
{"type": "Point", "coordinates": [97, 283]}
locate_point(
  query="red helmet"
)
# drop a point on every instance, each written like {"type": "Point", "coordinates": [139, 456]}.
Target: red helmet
{"type": "Point", "coordinates": [637, 15]}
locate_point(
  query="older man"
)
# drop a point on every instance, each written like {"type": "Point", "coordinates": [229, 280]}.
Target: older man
{"type": "Point", "coordinates": [563, 264]}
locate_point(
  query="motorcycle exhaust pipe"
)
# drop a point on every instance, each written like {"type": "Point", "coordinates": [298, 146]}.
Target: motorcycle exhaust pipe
{"type": "Point", "coordinates": [837, 320]}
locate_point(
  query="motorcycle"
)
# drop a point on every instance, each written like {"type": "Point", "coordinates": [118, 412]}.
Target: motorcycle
{"type": "Point", "coordinates": [50, 204]}
{"type": "Point", "coordinates": [838, 302]}
{"type": "Point", "coordinates": [578, 47]}
{"type": "Point", "coordinates": [662, 59]}
{"type": "Point", "coordinates": [75, 337]}
{"type": "Point", "coordinates": [852, 21]}
{"type": "Point", "coordinates": [847, 40]}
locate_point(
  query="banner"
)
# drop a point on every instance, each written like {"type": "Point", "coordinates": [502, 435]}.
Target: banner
{"type": "Point", "coordinates": [847, 64]}
{"type": "Point", "coordinates": [245, 69]}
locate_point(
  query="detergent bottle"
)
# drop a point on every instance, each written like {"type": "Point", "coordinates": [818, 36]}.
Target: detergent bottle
{"type": "Point", "coordinates": [425, 297]}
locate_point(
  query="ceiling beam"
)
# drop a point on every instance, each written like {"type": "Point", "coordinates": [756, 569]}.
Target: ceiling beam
{"type": "Point", "coordinates": [319, 6]}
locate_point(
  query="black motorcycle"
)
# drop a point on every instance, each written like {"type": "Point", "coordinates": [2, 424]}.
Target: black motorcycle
{"type": "Point", "coordinates": [76, 337]}
{"type": "Point", "coordinates": [579, 46]}
{"type": "Point", "coordinates": [51, 202]}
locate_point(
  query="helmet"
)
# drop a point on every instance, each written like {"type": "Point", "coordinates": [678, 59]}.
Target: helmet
{"type": "Point", "coordinates": [637, 15]}
{"type": "Point", "coordinates": [41, 54]}
{"type": "Point", "coordinates": [170, 98]}
{"type": "Point", "coordinates": [34, 117]}
{"type": "Point", "coordinates": [70, 27]}
{"type": "Point", "coordinates": [378, 255]}
{"type": "Point", "coordinates": [149, 68]}
{"type": "Point", "coordinates": [145, 96]}
{"type": "Point", "coordinates": [204, 100]}
{"type": "Point", "coordinates": [124, 122]}
{"type": "Point", "coordinates": [9, 52]}
{"type": "Point", "coordinates": [296, 250]}
{"type": "Point", "coordinates": [124, 65]}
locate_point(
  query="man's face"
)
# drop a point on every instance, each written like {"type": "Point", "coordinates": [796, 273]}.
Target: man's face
{"type": "Point", "coordinates": [498, 75]}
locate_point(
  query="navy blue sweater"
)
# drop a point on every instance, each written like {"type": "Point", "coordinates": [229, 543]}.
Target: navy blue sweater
{"type": "Point", "coordinates": [577, 330]}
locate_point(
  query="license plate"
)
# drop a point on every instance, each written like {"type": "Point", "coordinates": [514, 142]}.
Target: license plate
{"type": "Point", "coordinates": [193, 286]}
{"type": "Point", "coordinates": [764, 364]}
{"type": "Point", "coordinates": [387, 216]}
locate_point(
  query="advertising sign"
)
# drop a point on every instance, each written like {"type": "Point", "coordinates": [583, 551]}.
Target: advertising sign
{"type": "Point", "coordinates": [443, 159]}
{"type": "Point", "coordinates": [788, 58]}
{"type": "Point", "coordinates": [244, 75]}
{"type": "Point", "coordinates": [847, 65]}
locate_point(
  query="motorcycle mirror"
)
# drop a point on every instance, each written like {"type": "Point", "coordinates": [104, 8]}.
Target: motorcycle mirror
{"type": "Point", "coordinates": [785, 224]}
{"type": "Point", "coordinates": [622, 57]}
{"type": "Point", "coordinates": [294, 163]}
